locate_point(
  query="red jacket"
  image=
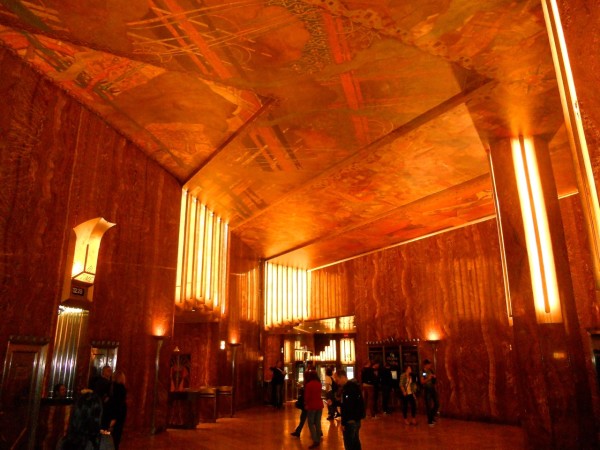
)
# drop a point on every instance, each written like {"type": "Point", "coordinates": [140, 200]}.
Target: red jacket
{"type": "Point", "coordinates": [312, 396]}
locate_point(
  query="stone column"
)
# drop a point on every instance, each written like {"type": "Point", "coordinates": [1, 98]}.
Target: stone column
{"type": "Point", "coordinates": [554, 386]}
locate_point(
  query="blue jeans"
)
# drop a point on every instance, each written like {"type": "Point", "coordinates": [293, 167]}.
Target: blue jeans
{"type": "Point", "coordinates": [351, 437]}
{"type": "Point", "coordinates": [314, 424]}
{"type": "Point", "coordinates": [302, 420]}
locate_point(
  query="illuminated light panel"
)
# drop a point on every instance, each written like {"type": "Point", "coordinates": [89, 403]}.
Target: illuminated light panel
{"type": "Point", "coordinates": [537, 232]}
{"type": "Point", "coordinates": [202, 257]}
{"type": "Point", "coordinates": [347, 351]}
{"type": "Point", "coordinates": [285, 295]}
{"type": "Point", "coordinates": [329, 353]}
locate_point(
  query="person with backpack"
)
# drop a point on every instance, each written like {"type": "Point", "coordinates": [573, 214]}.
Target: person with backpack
{"type": "Point", "coordinates": [353, 411]}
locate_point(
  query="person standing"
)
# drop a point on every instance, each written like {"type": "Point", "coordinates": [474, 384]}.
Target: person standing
{"type": "Point", "coordinates": [409, 391]}
{"type": "Point", "coordinates": [314, 406]}
{"type": "Point", "coordinates": [84, 432]}
{"type": "Point", "coordinates": [277, 384]}
{"type": "Point", "coordinates": [385, 381]}
{"type": "Point", "coordinates": [330, 389]}
{"type": "Point", "coordinates": [118, 406]}
{"type": "Point", "coordinates": [429, 380]}
{"type": "Point", "coordinates": [367, 377]}
{"type": "Point", "coordinates": [101, 385]}
{"type": "Point", "coordinates": [353, 411]}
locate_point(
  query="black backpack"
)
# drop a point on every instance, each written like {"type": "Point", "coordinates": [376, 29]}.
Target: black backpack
{"type": "Point", "coordinates": [352, 400]}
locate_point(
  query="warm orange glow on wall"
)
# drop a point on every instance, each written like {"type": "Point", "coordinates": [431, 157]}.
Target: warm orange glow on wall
{"type": "Point", "coordinates": [574, 125]}
{"type": "Point", "coordinates": [537, 232]}
{"type": "Point", "coordinates": [433, 335]}
{"type": "Point", "coordinates": [202, 260]}
{"type": "Point", "coordinates": [287, 352]}
{"type": "Point", "coordinates": [158, 330]}
{"type": "Point", "coordinates": [285, 295]}
{"type": "Point", "coordinates": [509, 312]}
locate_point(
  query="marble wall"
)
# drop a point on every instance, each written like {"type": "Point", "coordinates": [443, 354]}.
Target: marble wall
{"type": "Point", "coordinates": [581, 24]}
{"type": "Point", "coordinates": [447, 287]}
{"type": "Point", "coordinates": [450, 287]}
{"type": "Point", "coordinates": [61, 165]}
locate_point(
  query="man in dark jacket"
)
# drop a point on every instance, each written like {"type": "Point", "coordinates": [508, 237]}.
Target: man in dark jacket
{"type": "Point", "coordinates": [353, 411]}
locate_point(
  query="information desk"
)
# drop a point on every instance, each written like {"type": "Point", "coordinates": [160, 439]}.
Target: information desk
{"type": "Point", "coordinates": [190, 407]}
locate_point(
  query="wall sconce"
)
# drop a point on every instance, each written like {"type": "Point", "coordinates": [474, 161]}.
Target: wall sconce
{"type": "Point", "coordinates": [537, 232]}
{"type": "Point", "coordinates": [222, 345]}
{"type": "Point", "coordinates": [83, 261]}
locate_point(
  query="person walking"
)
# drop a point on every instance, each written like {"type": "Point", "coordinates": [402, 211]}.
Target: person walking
{"type": "Point", "coordinates": [313, 403]}
{"type": "Point", "coordinates": [353, 411]}
{"type": "Point", "coordinates": [117, 405]}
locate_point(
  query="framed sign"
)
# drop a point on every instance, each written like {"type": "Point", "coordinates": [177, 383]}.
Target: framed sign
{"type": "Point", "coordinates": [22, 390]}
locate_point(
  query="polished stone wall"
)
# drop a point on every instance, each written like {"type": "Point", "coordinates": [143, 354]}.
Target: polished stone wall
{"type": "Point", "coordinates": [61, 165]}
{"type": "Point", "coordinates": [446, 287]}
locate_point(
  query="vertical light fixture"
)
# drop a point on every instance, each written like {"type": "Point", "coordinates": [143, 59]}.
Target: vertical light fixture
{"type": "Point", "coordinates": [347, 351]}
{"type": "Point", "coordinates": [202, 259]}
{"type": "Point", "coordinates": [285, 295]}
{"type": "Point", "coordinates": [537, 232]}
{"type": "Point", "coordinates": [574, 124]}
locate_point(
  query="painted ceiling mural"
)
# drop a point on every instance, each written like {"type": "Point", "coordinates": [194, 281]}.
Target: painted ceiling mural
{"type": "Point", "coordinates": [319, 129]}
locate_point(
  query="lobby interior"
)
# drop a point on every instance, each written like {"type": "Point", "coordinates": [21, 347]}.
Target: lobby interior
{"type": "Point", "coordinates": [194, 190]}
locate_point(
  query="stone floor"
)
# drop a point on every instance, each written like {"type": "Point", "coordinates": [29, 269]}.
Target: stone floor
{"type": "Point", "coordinates": [266, 428]}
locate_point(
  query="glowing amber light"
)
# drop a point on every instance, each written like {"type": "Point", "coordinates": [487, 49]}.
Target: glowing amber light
{"type": "Point", "coordinates": [347, 351]}
{"type": "Point", "coordinates": [87, 246]}
{"type": "Point", "coordinates": [202, 260]}
{"type": "Point", "coordinates": [537, 232]}
{"type": "Point", "coordinates": [329, 353]}
{"type": "Point", "coordinates": [286, 292]}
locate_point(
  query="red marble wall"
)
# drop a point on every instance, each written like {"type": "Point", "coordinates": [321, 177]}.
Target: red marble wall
{"type": "Point", "coordinates": [581, 24]}
{"type": "Point", "coordinates": [588, 307]}
{"type": "Point", "coordinates": [448, 286]}
{"type": "Point", "coordinates": [451, 285]}
{"type": "Point", "coordinates": [61, 165]}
